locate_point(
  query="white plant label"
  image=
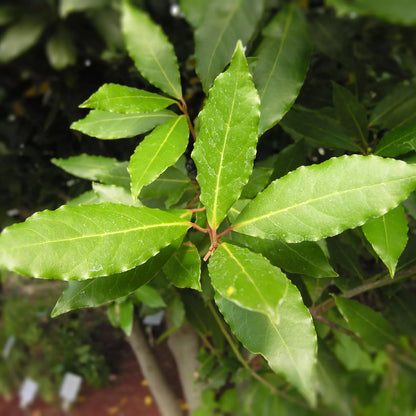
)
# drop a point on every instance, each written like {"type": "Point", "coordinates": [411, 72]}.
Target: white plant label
{"type": "Point", "coordinates": [27, 392]}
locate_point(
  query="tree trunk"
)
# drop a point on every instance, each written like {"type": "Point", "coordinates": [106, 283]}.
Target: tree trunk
{"type": "Point", "coordinates": [165, 398]}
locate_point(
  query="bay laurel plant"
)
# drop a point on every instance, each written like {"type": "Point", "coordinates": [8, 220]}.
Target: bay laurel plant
{"type": "Point", "coordinates": [243, 249]}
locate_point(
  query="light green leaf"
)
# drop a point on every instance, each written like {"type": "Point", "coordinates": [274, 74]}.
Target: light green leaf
{"type": "Point", "coordinates": [236, 209]}
{"type": "Point", "coordinates": [76, 243]}
{"type": "Point", "coordinates": [183, 269]}
{"type": "Point", "coordinates": [289, 346]}
{"type": "Point", "coordinates": [121, 315]}
{"type": "Point", "coordinates": [395, 109]}
{"type": "Point", "coordinates": [388, 236]}
{"type": "Point", "coordinates": [322, 200]}
{"type": "Point", "coordinates": [61, 50]}
{"type": "Point", "coordinates": [151, 51]}
{"type": "Point", "coordinates": [101, 290]}
{"type": "Point", "coordinates": [371, 326]}
{"type": "Point", "coordinates": [86, 198]}
{"type": "Point", "coordinates": [248, 279]}
{"type": "Point", "coordinates": [177, 312]}
{"type": "Point", "coordinates": [398, 11]}
{"type": "Point", "coordinates": [70, 6]}
{"type": "Point", "coordinates": [226, 145]}
{"type": "Point", "coordinates": [159, 150]}
{"type": "Point", "coordinates": [306, 257]}
{"type": "Point", "coordinates": [220, 26]}
{"type": "Point", "coordinates": [317, 128]}
{"type": "Point", "coordinates": [194, 10]}
{"type": "Point", "coordinates": [283, 60]}
{"type": "Point", "coordinates": [108, 126]}
{"type": "Point", "coordinates": [126, 100]}
{"type": "Point", "coordinates": [96, 168]}
{"type": "Point", "coordinates": [113, 193]}
{"type": "Point", "coordinates": [350, 112]}
{"type": "Point", "coordinates": [18, 38]}
{"type": "Point", "coordinates": [398, 141]}
{"type": "Point", "coordinates": [149, 296]}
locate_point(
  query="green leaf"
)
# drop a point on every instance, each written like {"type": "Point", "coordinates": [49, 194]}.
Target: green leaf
{"type": "Point", "coordinates": [258, 180]}
{"type": "Point", "coordinates": [7, 14]}
{"type": "Point", "coordinates": [290, 158]}
{"type": "Point", "coordinates": [17, 39]}
{"type": "Point", "coordinates": [101, 290]}
{"type": "Point", "coordinates": [388, 236]}
{"type": "Point", "coordinates": [371, 326]}
{"type": "Point", "coordinates": [396, 108]}
{"type": "Point", "coordinates": [289, 346]}
{"type": "Point", "coordinates": [350, 112]}
{"type": "Point", "coordinates": [151, 51]}
{"type": "Point", "coordinates": [317, 128]}
{"type": "Point", "coordinates": [96, 168]}
{"type": "Point", "coordinates": [149, 296]}
{"type": "Point", "coordinates": [177, 312]}
{"type": "Point", "coordinates": [159, 150]}
{"type": "Point", "coordinates": [398, 141]}
{"type": "Point", "coordinates": [108, 126]}
{"type": "Point", "coordinates": [399, 11]}
{"type": "Point", "coordinates": [86, 198]}
{"type": "Point", "coordinates": [183, 269]}
{"type": "Point", "coordinates": [126, 100]}
{"type": "Point", "coordinates": [121, 315]}
{"type": "Point", "coordinates": [194, 10]}
{"type": "Point", "coordinates": [67, 7]}
{"type": "Point", "coordinates": [303, 258]}
{"type": "Point", "coordinates": [61, 50]}
{"type": "Point", "coordinates": [248, 280]}
{"type": "Point", "coordinates": [113, 193]}
{"type": "Point", "coordinates": [222, 24]}
{"type": "Point", "coordinates": [226, 145]}
{"type": "Point", "coordinates": [322, 200]}
{"type": "Point", "coordinates": [283, 60]}
{"type": "Point", "coordinates": [76, 243]}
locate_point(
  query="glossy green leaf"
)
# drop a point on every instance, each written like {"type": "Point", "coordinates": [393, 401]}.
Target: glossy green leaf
{"type": "Point", "coordinates": [395, 109]}
{"type": "Point", "coordinates": [113, 193]}
{"type": "Point", "coordinates": [121, 315]}
{"type": "Point", "coordinates": [151, 51]}
{"type": "Point", "coordinates": [289, 346]}
{"type": "Point", "coordinates": [368, 324]}
{"type": "Point", "coordinates": [76, 243]}
{"type": "Point", "coordinates": [126, 100]}
{"type": "Point", "coordinates": [108, 126]}
{"type": "Point", "coordinates": [398, 11]}
{"type": "Point", "coordinates": [61, 50]}
{"type": "Point", "coordinates": [183, 269]}
{"type": "Point", "coordinates": [398, 141]}
{"type": "Point", "coordinates": [236, 209]}
{"type": "Point", "coordinates": [317, 128]}
{"type": "Point", "coordinates": [283, 60]}
{"type": "Point", "coordinates": [305, 258]}
{"type": "Point", "coordinates": [101, 290]}
{"type": "Point", "coordinates": [258, 180]}
{"type": "Point", "coordinates": [96, 168]}
{"type": "Point", "coordinates": [350, 112]}
{"type": "Point", "coordinates": [86, 198]}
{"type": "Point", "coordinates": [322, 200]}
{"type": "Point", "coordinates": [67, 7]}
{"type": "Point", "coordinates": [21, 36]}
{"type": "Point", "coordinates": [388, 236]}
{"type": "Point", "coordinates": [226, 145]}
{"type": "Point", "coordinates": [248, 279]}
{"type": "Point", "coordinates": [159, 150]}
{"type": "Point", "coordinates": [149, 296]}
{"type": "Point", "coordinates": [221, 25]}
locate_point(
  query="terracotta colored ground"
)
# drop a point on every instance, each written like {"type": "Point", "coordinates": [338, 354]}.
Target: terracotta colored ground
{"type": "Point", "coordinates": [127, 394]}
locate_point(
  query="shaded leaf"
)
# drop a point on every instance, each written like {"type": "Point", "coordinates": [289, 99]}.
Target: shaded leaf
{"type": "Point", "coordinates": [107, 126]}
{"type": "Point", "coordinates": [226, 145]}
{"type": "Point", "coordinates": [121, 99]}
{"type": "Point", "coordinates": [61, 50]}
{"type": "Point", "coordinates": [288, 346]}
{"type": "Point", "coordinates": [67, 7]}
{"type": "Point", "coordinates": [151, 51]}
{"type": "Point", "coordinates": [322, 200]}
{"type": "Point", "coordinates": [290, 158]}
{"type": "Point", "coordinates": [388, 236]}
{"type": "Point", "coordinates": [96, 168]}
{"type": "Point", "coordinates": [371, 326]}
{"type": "Point", "coordinates": [283, 60]}
{"type": "Point", "coordinates": [317, 128]}
{"type": "Point", "coordinates": [121, 315]}
{"type": "Point", "coordinates": [21, 36]}
{"type": "Point", "coordinates": [149, 296]}
{"type": "Point", "coordinates": [258, 180]}
{"type": "Point", "coordinates": [219, 27]}
{"type": "Point", "coordinates": [183, 269]}
{"type": "Point", "coordinates": [194, 10]}
{"type": "Point", "coordinates": [54, 244]}
{"type": "Point", "coordinates": [159, 150]}
{"type": "Point", "coordinates": [398, 141]}
{"type": "Point", "coordinates": [303, 258]}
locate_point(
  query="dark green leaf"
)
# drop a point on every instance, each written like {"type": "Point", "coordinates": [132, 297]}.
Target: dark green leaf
{"type": "Point", "coordinates": [398, 141]}
{"type": "Point", "coordinates": [61, 50]}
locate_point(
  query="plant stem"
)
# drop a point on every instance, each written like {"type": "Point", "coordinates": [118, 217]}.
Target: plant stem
{"type": "Point", "coordinates": [184, 108]}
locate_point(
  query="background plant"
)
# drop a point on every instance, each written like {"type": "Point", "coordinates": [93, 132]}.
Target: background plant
{"type": "Point", "coordinates": [368, 108]}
